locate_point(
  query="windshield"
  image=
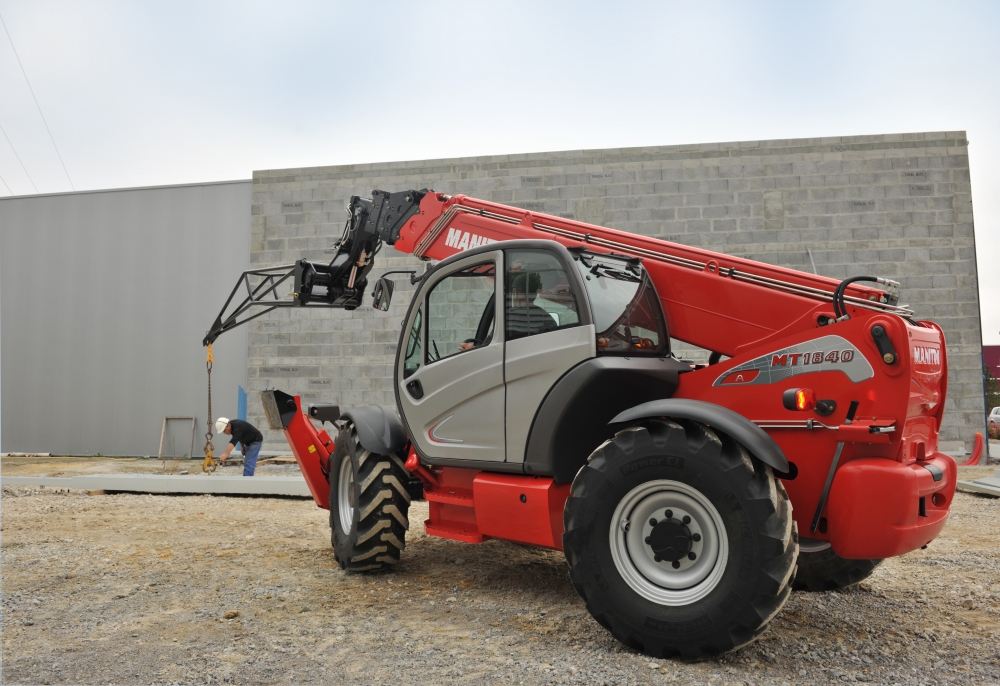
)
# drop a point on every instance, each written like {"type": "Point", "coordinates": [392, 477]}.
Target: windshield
{"type": "Point", "coordinates": [627, 312]}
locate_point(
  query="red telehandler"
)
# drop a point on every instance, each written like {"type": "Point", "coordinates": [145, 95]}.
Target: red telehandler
{"type": "Point", "coordinates": [538, 401]}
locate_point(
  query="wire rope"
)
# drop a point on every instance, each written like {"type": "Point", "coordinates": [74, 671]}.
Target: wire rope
{"type": "Point", "coordinates": [19, 159]}
{"type": "Point", "coordinates": [32, 91]}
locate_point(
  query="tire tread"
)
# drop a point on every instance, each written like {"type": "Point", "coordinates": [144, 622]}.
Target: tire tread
{"type": "Point", "coordinates": [378, 534]}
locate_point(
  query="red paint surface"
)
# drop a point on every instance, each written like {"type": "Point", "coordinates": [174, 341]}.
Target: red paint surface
{"type": "Point", "coordinates": [991, 357]}
{"type": "Point", "coordinates": [473, 506]}
{"type": "Point", "coordinates": [537, 518]}
{"type": "Point", "coordinates": [302, 435]}
{"type": "Point", "coordinates": [874, 506]}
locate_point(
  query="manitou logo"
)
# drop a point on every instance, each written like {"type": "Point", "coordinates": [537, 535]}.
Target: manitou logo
{"type": "Point", "coordinates": [922, 355]}
{"type": "Point", "coordinates": [816, 357]}
{"type": "Point", "coordinates": [463, 240]}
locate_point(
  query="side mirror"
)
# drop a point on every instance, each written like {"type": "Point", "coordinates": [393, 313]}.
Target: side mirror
{"type": "Point", "coordinates": [382, 295]}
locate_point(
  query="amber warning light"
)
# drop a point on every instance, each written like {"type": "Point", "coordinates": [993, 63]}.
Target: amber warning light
{"type": "Point", "coordinates": [805, 399]}
{"type": "Point", "coordinates": [799, 399]}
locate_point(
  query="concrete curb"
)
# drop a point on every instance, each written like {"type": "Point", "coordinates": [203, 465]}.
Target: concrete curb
{"type": "Point", "coordinates": [989, 485]}
{"type": "Point", "coordinates": [171, 483]}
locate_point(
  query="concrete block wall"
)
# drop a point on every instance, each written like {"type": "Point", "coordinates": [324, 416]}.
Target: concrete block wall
{"type": "Point", "coordinates": [895, 205]}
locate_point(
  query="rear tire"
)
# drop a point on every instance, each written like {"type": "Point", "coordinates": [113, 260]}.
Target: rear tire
{"type": "Point", "coordinates": [821, 569]}
{"type": "Point", "coordinates": [668, 606]}
{"type": "Point", "coordinates": [368, 506]}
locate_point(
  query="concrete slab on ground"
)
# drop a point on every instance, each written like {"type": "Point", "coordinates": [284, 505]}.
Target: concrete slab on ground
{"type": "Point", "coordinates": [170, 483]}
{"type": "Point", "coordinates": [989, 485]}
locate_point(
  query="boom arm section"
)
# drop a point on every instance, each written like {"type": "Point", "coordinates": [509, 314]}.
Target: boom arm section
{"type": "Point", "coordinates": [712, 300]}
{"type": "Point", "coordinates": [339, 284]}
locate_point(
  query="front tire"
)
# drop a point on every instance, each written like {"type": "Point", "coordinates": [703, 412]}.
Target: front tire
{"type": "Point", "coordinates": [368, 506]}
{"type": "Point", "coordinates": [680, 542]}
{"type": "Point", "coordinates": [821, 569]}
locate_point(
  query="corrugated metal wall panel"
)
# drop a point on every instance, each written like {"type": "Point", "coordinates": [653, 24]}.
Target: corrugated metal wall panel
{"type": "Point", "coordinates": [104, 299]}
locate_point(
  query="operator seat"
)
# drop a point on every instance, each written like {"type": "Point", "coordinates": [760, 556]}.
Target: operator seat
{"type": "Point", "coordinates": [524, 317]}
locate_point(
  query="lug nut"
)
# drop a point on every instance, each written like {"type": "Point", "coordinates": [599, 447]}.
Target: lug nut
{"type": "Point", "coordinates": [652, 521]}
{"type": "Point", "coordinates": [656, 558]}
{"type": "Point", "coordinates": [647, 540]}
{"type": "Point", "coordinates": [692, 556]}
{"type": "Point", "coordinates": [695, 537]}
{"type": "Point", "coordinates": [686, 520]}
{"type": "Point", "coordinates": [675, 564]}
{"type": "Point", "coordinates": [669, 514]}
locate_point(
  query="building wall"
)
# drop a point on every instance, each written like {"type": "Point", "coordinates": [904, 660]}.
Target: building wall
{"type": "Point", "coordinates": [105, 297]}
{"type": "Point", "coordinates": [890, 205]}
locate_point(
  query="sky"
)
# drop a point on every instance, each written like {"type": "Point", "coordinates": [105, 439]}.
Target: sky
{"type": "Point", "coordinates": [141, 94]}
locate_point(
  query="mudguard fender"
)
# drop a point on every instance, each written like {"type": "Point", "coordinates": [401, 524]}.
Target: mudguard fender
{"type": "Point", "coordinates": [734, 425]}
{"type": "Point", "coordinates": [379, 429]}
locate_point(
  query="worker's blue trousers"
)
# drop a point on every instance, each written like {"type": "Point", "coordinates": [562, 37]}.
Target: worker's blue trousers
{"type": "Point", "coordinates": [250, 458]}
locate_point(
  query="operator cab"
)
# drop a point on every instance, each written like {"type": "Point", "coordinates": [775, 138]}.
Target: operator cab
{"type": "Point", "coordinates": [491, 330]}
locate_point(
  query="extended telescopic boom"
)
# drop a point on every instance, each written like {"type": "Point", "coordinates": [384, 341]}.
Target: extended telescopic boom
{"type": "Point", "coordinates": [712, 300]}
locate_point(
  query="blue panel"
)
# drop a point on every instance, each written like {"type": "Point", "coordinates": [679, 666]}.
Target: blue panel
{"type": "Point", "coordinates": [241, 404]}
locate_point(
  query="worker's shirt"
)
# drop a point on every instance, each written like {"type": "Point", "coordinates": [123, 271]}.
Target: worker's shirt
{"type": "Point", "coordinates": [244, 432]}
{"type": "Point", "coordinates": [528, 320]}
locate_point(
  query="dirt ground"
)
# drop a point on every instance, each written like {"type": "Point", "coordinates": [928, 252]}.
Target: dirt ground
{"type": "Point", "coordinates": [131, 589]}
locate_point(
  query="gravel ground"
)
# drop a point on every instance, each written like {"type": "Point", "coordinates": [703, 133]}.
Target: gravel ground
{"type": "Point", "coordinates": [131, 589]}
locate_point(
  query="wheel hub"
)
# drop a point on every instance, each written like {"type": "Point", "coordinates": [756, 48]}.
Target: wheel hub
{"type": "Point", "coordinates": [670, 540]}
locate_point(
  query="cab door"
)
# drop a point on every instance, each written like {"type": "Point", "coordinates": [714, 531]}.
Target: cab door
{"type": "Point", "coordinates": [451, 371]}
{"type": "Point", "coordinates": [548, 332]}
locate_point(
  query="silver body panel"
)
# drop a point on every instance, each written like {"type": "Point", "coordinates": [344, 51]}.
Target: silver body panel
{"type": "Point", "coordinates": [532, 366]}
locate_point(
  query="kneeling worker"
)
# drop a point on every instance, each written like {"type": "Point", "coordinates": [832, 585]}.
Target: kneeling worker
{"type": "Point", "coordinates": [245, 433]}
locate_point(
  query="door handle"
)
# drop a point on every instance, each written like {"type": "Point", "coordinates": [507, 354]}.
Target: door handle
{"type": "Point", "coordinates": [415, 389]}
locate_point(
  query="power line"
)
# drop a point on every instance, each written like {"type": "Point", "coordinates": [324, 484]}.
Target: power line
{"type": "Point", "coordinates": [6, 186]}
{"type": "Point", "coordinates": [32, 90]}
{"type": "Point", "coordinates": [19, 160]}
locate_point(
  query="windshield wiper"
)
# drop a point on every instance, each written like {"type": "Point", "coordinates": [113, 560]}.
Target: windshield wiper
{"type": "Point", "coordinates": [618, 274]}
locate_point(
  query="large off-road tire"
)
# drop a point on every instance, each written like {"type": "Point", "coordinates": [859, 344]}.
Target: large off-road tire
{"type": "Point", "coordinates": [368, 506]}
{"type": "Point", "coordinates": [821, 569]}
{"type": "Point", "coordinates": [739, 527]}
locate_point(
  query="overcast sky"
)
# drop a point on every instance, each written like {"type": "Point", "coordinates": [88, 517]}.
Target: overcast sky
{"type": "Point", "coordinates": [139, 93]}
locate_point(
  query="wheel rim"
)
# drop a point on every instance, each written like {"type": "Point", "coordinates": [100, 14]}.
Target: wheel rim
{"type": "Point", "coordinates": [345, 494]}
{"type": "Point", "coordinates": [656, 559]}
{"type": "Point", "coordinates": [812, 545]}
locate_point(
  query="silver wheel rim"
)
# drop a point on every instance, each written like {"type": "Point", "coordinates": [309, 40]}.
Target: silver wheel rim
{"type": "Point", "coordinates": [661, 582]}
{"type": "Point", "coordinates": [812, 545]}
{"type": "Point", "coordinates": [345, 494]}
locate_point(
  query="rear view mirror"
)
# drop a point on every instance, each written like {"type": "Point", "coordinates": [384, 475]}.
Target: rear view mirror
{"type": "Point", "coordinates": [382, 295]}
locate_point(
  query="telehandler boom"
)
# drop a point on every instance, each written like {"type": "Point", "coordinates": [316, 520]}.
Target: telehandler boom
{"type": "Point", "coordinates": [538, 401]}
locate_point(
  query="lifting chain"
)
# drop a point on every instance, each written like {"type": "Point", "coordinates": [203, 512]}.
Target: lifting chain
{"type": "Point", "coordinates": [209, 464]}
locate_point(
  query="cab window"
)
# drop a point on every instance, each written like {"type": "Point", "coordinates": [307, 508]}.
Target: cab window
{"type": "Point", "coordinates": [539, 296]}
{"type": "Point", "coordinates": [460, 312]}
{"type": "Point", "coordinates": [411, 361]}
{"type": "Point", "coordinates": [627, 312]}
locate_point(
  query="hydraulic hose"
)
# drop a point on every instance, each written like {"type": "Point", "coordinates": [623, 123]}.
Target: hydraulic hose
{"type": "Point", "coordinates": [839, 306]}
